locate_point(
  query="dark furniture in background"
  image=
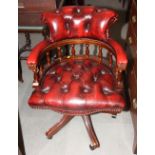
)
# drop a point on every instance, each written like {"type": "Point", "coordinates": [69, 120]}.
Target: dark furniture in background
{"type": "Point", "coordinates": [132, 67]}
{"type": "Point", "coordinates": [73, 2]}
{"type": "Point", "coordinates": [30, 11]}
{"type": "Point", "coordinates": [29, 21]}
{"type": "Point", "coordinates": [29, 14]}
{"type": "Point", "coordinates": [78, 84]}
{"type": "Point", "coordinates": [123, 2]}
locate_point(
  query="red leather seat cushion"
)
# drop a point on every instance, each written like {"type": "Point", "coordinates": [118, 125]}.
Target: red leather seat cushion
{"type": "Point", "coordinates": [78, 87]}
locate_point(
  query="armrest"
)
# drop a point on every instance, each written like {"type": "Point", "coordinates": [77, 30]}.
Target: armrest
{"type": "Point", "coordinates": [32, 60]}
{"type": "Point", "coordinates": [120, 54]}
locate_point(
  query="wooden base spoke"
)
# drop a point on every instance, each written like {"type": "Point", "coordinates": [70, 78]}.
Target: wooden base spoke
{"type": "Point", "coordinates": [54, 129]}
{"type": "Point", "coordinates": [88, 124]}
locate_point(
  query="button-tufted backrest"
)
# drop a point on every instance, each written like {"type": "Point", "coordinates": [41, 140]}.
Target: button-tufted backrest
{"type": "Point", "coordinates": [78, 22]}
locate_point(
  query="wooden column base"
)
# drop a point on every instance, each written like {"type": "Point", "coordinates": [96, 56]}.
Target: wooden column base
{"type": "Point", "coordinates": [88, 124]}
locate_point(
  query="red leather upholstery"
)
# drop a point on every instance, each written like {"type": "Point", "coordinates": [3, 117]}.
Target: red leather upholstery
{"type": "Point", "coordinates": [78, 84]}
{"type": "Point", "coordinates": [78, 22]}
{"type": "Point", "coordinates": [78, 87]}
{"type": "Point", "coordinates": [36, 52]}
{"type": "Point", "coordinates": [121, 57]}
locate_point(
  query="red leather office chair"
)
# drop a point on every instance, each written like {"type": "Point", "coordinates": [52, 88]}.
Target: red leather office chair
{"type": "Point", "coordinates": [78, 84]}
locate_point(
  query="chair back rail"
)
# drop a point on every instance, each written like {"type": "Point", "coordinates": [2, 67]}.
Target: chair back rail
{"type": "Point", "coordinates": [54, 53]}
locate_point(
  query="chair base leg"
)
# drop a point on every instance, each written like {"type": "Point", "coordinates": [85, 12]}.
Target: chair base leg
{"type": "Point", "coordinates": [88, 124]}
{"type": "Point", "coordinates": [54, 129]}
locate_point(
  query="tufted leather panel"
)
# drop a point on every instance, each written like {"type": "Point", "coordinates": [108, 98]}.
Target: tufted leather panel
{"type": "Point", "coordinates": [78, 87]}
{"type": "Point", "coordinates": [79, 21]}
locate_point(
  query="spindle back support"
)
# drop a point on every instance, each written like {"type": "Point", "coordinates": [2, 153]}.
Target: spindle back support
{"type": "Point", "coordinates": [55, 53]}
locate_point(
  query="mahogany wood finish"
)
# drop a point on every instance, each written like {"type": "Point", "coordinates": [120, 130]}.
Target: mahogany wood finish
{"type": "Point", "coordinates": [31, 10]}
{"type": "Point", "coordinates": [132, 67]}
{"type": "Point", "coordinates": [54, 129]}
{"type": "Point", "coordinates": [78, 84]}
{"type": "Point", "coordinates": [88, 124]}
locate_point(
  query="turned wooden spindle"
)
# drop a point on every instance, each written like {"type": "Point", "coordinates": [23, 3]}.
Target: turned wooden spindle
{"type": "Point", "coordinates": [41, 70]}
{"type": "Point", "coordinates": [36, 78]}
{"type": "Point", "coordinates": [119, 78]}
{"type": "Point", "coordinates": [73, 49]}
{"type": "Point", "coordinates": [48, 58]}
{"type": "Point", "coordinates": [110, 59]}
{"type": "Point", "coordinates": [100, 53]}
{"type": "Point", "coordinates": [87, 50]}
{"type": "Point", "coordinates": [59, 52]}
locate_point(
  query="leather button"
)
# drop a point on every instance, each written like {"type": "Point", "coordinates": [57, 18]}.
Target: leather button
{"type": "Point", "coordinates": [103, 72]}
{"type": "Point", "coordinates": [106, 90]}
{"type": "Point", "coordinates": [45, 90]}
{"type": "Point", "coordinates": [98, 10]}
{"type": "Point", "coordinates": [58, 78]}
{"type": "Point", "coordinates": [52, 72]}
{"type": "Point", "coordinates": [86, 89]}
{"type": "Point", "coordinates": [65, 88]}
{"type": "Point", "coordinates": [78, 10]}
{"type": "Point", "coordinates": [95, 78]}
{"type": "Point", "coordinates": [68, 68]}
{"type": "Point", "coordinates": [57, 11]}
{"type": "Point", "coordinates": [76, 75]}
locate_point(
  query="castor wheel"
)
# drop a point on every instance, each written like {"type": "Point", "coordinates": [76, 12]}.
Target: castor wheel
{"type": "Point", "coordinates": [114, 116]}
{"type": "Point", "coordinates": [94, 146]}
{"type": "Point", "coordinates": [48, 136]}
